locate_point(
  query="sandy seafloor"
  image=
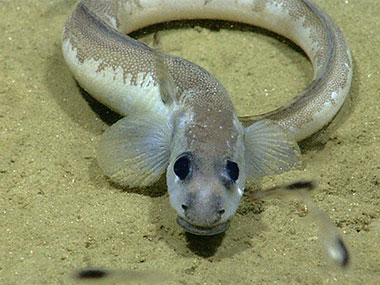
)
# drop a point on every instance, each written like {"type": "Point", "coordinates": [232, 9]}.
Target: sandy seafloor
{"type": "Point", "coordinates": [59, 213]}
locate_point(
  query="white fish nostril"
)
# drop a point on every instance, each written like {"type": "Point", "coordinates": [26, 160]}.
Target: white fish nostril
{"type": "Point", "coordinates": [184, 207]}
{"type": "Point", "coordinates": [221, 212]}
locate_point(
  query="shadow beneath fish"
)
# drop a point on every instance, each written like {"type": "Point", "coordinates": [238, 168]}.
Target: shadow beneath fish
{"type": "Point", "coordinates": [204, 246]}
{"type": "Point", "coordinates": [104, 113]}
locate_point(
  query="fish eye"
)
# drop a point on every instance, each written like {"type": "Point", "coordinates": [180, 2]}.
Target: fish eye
{"type": "Point", "coordinates": [182, 167]}
{"type": "Point", "coordinates": [232, 170]}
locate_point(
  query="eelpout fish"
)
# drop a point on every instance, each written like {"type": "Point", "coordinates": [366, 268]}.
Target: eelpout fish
{"type": "Point", "coordinates": [179, 118]}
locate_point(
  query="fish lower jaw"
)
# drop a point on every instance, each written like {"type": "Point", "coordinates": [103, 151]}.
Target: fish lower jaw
{"type": "Point", "coordinates": [202, 231]}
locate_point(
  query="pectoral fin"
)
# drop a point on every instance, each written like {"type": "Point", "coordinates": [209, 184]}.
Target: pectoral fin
{"type": "Point", "coordinates": [269, 150]}
{"type": "Point", "coordinates": [135, 150]}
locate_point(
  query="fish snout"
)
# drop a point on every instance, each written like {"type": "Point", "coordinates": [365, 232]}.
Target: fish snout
{"type": "Point", "coordinates": [203, 215]}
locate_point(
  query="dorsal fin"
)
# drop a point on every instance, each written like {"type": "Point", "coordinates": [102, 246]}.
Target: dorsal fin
{"type": "Point", "coordinates": [168, 89]}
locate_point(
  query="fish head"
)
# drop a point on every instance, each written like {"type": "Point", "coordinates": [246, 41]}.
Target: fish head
{"type": "Point", "coordinates": [206, 176]}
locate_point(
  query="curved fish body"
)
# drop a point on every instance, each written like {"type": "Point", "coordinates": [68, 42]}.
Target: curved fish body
{"type": "Point", "coordinates": [179, 118]}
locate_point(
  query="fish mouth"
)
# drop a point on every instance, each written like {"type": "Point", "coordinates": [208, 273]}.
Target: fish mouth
{"type": "Point", "coordinates": [202, 231]}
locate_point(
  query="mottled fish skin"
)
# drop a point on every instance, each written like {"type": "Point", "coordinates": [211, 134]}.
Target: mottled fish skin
{"type": "Point", "coordinates": [190, 128]}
